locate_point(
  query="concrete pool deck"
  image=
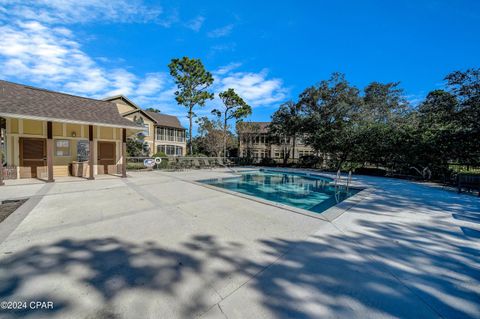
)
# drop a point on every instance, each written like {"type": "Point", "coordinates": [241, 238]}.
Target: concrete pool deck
{"type": "Point", "coordinates": [158, 245]}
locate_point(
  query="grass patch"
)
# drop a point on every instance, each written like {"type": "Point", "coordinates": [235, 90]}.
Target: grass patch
{"type": "Point", "coordinates": [7, 207]}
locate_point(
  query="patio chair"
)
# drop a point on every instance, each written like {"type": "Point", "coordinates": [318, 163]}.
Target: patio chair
{"type": "Point", "coordinates": [184, 164]}
{"type": "Point", "coordinates": [196, 164]}
{"type": "Point", "coordinates": [468, 182]}
{"type": "Point", "coordinates": [176, 165]}
{"type": "Point", "coordinates": [229, 162]}
{"type": "Point", "coordinates": [207, 163]}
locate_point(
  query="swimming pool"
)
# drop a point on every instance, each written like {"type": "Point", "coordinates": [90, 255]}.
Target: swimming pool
{"type": "Point", "coordinates": [311, 192]}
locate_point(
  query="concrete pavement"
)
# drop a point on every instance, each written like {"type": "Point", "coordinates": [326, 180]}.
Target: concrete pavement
{"type": "Point", "coordinates": [157, 245]}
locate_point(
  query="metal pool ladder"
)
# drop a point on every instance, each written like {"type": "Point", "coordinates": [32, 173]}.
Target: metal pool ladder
{"type": "Point", "coordinates": [338, 186]}
{"type": "Point", "coordinates": [221, 163]}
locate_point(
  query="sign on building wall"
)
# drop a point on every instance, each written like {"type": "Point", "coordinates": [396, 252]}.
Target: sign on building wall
{"type": "Point", "coordinates": [82, 151]}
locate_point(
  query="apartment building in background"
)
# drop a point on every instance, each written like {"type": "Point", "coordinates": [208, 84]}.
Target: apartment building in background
{"type": "Point", "coordinates": [163, 133]}
{"type": "Point", "coordinates": [254, 142]}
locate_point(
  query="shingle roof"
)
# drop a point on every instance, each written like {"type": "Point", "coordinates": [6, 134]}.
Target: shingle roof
{"type": "Point", "coordinates": [121, 97]}
{"type": "Point", "coordinates": [30, 102]}
{"type": "Point", "coordinates": [253, 127]}
{"type": "Point", "coordinates": [165, 120]}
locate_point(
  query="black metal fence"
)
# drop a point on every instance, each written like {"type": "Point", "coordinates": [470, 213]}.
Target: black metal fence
{"type": "Point", "coordinates": [451, 175]}
{"type": "Point", "coordinates": [445, 174]}
{"type": "Point", "coordinates": [179, 163]}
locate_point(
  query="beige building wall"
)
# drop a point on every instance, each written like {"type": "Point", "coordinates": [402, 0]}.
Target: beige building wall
{"type": "Point", "coordinates": [152, 138]}
{"type": "Point", "coordinates": [259, 147]}
{"type": "Point", "coordinates": [150, 135]}
{"type": "Point", "coordinates": [70, 133]}
{"type": "Point", "coordinates": [122, 106]}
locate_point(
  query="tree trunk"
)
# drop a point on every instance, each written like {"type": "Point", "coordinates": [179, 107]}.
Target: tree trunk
{"type": "Point", "coordinates": [190, 132]}
{"type": "Point", "coordinates": [343, 158]}
{"type": "Point", "coordinates": [225, 137]}
{"type": "Point", "coordinates": [285, 158]}
{"type": "Point", "coordinates": [293, 148]}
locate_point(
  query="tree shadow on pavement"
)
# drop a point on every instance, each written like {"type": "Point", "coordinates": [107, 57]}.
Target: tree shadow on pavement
{"type": "Point", "coordinates": [389, 271]}
{"type": "Point", "coordinates": [109, 266]}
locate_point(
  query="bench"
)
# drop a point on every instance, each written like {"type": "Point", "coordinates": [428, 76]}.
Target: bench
{"type": "Point", "coordinates": [468, 182]}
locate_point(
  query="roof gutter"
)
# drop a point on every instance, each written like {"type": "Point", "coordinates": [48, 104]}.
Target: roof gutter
{"type": "Point", "coordinates": [40, 118]}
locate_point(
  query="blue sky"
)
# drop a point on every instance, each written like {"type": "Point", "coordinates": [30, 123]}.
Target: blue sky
{"type": "Point", "coordinates": [269, 51]}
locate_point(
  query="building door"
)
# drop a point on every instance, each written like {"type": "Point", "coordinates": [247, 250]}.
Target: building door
{"type": "Point", "coordinates": [106, 158]}
{"type": "Point", "coordinates": [33, 157]}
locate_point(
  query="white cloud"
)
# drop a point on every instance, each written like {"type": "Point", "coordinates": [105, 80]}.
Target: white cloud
{"type": "Point", "coordinates": [72, 11]}
{"type": "Point", "coordinates": [51, 58]}
{"type": "Point", "coordinates": [222, 48]}
{"type": "Point", "coordinates": [415, 99]}
{"type": "Point", "coordinates": [38, 49]}
{"type": "Point", "coordinates": [227, 68]}
{"type": "Point", "coordinates": [221, 32]}
{"type": "Point", "coordinates": [152, 83]}
{"type": "Point", "coordinates": [33, 51]}
{"type": "Point", "coordinates": [122, 82]}
{"type": "Point", "coordinates": [255, 88]}
{"type": "Point", "coordinates": [195, 24]}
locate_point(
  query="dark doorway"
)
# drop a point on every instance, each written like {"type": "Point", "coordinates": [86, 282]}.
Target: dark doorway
{"type": "Point", "coordinates": [106, 158]}
{"type": "Point", "coordinates": [33, 157]}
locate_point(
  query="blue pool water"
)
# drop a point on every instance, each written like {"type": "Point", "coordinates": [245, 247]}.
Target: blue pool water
{"type": "Point", "coordinates": [313, 193]}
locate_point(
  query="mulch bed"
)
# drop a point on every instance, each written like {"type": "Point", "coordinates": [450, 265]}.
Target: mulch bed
{"type": "Point", "coordinates": [9, 206]}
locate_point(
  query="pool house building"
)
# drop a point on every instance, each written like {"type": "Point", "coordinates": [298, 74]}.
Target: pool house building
{"type": "Point", "coordinates": [46, 134]}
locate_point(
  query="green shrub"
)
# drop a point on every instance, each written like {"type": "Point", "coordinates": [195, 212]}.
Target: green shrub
{"type": "Point", "coordinates": [267, 161]}
{"type": "Point", "coordinates": [134, 166]}
{"type": "Point", "coordinates": [465, 169]}
{"type": "Point", "coordinates": [159, 154]}
{"type": "Point", "coordinates": [245, 161]}
{"type": "Point", "coordinates": [372, 171]}
{"type": "Point", "coordinates": [350, 166]}
{"type": "Point", "coordinates": [309, 161]}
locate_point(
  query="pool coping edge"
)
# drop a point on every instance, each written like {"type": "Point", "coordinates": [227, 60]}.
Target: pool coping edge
{"type": "Point", "coordinates": [329, 214]}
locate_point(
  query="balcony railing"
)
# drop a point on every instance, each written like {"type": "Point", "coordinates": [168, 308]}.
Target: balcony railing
{"type": "Point", "coordinates": [164, 138]}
